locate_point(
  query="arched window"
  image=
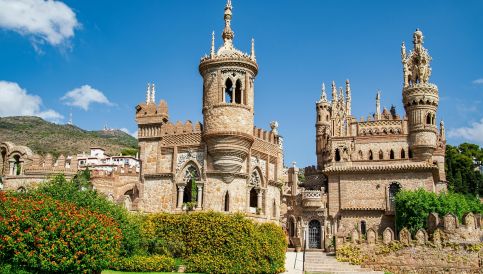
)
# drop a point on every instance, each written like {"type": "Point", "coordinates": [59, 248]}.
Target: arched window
{"type": "Point", "coordinates": [403, 154]}
{"type": "Point", "coordinates": [393, 190]}
{"type": "Point", "coordinates": [433, 120]}
{"type": "Point", "coordinates": [370, 155]}
{"type": "Point", "coordinates": [428, 118]}
{"type": "Point", "coordinates": [337, 155]}
{"type": "Point", "coordinates": [130, 193]}
{"type": "Point", "coordinates": [227, 202]}
{"type": "Point", "coordinates": [361, 156]}
{"type": "Point", "coordinates": [391, 154]}
{"type": "Point", "coordinates": [363, 228]}
{"type": "Point", "coordinates": [318, 117]}
{"type": "Point", "coordinates": [381, 155]}
{"type": "Point", "coordinates": [21, 190]}
{"type": "Point", "coordinates": [228, 91]}
{"type": "Point", "coordinates": [238, 92]}
{"type": "Point", "coordinates": [410, 152]}
{"type": "Point", "coordinates": [190, 194]}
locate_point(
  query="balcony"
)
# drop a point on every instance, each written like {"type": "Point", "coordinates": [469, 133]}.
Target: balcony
{"type": "Point", "coordinates": [312, 198]}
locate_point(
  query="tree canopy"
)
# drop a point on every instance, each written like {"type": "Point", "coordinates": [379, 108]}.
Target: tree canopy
{"type": "Point", "coordinates": [463, 165]}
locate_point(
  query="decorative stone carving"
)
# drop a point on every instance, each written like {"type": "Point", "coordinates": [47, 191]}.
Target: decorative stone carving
{"type": "Point", "coordinates": [469, 221]}
{"type": "Point", "coordinates": [405, 236]}
{"type": "Point", "coordinates": [450, 222]}
{"type": "Point", "coordinates": [387, 235]}
{"type": "Point", "coordinates": [421, 237]}
{"type": "Point", "coordinates": [183, 157]}
{"type": "Point", "coordinates": [262, 164]}
{"type": "Point", "coordinates": [433, 221]}
{"type": "Point", "coordinates": [371, 236]}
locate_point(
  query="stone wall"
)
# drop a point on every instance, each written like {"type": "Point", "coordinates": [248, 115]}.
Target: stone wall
{"type": "Point", "coordinates": [444, 247]}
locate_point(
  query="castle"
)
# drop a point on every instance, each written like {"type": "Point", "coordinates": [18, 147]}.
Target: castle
{"type": "Point", "coordinates": [226, 164]}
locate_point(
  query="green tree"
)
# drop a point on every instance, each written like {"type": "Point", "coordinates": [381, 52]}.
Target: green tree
{"type": "Point", "coordinates": [462, 168]}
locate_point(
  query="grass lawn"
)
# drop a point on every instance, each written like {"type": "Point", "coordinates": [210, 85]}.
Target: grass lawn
{"type": "Point", "coordinates": [119, 272]}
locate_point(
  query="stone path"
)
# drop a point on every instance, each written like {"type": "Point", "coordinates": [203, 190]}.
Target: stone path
{"type": "Point", "coordinates": [319, 262]}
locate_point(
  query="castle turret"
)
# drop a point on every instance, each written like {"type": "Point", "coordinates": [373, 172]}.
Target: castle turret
{"type": "Point", "coordinates": [420, 99]}
{"type": "Point", "coordinates": [322, 127]}
{"type": "Point", "coordinates": [228, 102]}
{"type": "Point", "coordinates": [348, 97]}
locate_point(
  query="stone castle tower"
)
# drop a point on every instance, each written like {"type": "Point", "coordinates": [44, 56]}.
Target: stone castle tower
{"type": "Point", "coordinates": [420, 99]}
{"type": "Point", "coordinates": [228, 97]}
{"type": "Point", "coordinates": [222, 164]}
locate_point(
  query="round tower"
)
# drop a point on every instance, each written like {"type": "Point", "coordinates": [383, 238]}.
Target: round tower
{"type": "Point", "coordinates": [420, 99]}
{"type": "Point", "coordinates": [322, 128]}
{"type": "Point", "coordinates": [228, 102]}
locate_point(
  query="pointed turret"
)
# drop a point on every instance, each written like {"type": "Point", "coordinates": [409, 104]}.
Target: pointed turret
{"type": "Point", "coordinates": [348, 97]}
{"type": "Point", "coordinates": [228, 34]}
{"type": "Point", "coordinates": [212, 51]}
{"type": "Point", "coordinates": [323, 96]}
{"type": "Point", "coordinates": [153, 94]}
{"type": "Point", "coordinates": [148, 93]}
{"type": "Point", "coordinates": [378, 105]}
{"type": "Point", "coordinates": [252, 53]}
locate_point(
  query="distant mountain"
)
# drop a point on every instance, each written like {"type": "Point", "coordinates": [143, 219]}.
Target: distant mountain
{"type": "Point", "coordinates": [45, 137]}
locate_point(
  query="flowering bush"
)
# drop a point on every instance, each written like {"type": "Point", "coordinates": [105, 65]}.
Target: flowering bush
{"type": "Point", "coordinates": [146, 263]}
{"type": "Point", "coordinates": [41, 234]}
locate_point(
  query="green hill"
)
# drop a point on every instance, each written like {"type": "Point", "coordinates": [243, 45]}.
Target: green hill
{"type": "Point", "coordinates": [45, 137]}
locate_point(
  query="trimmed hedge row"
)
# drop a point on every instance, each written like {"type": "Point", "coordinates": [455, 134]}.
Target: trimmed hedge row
{"type": "Point", "coordinates": [45, 235]}
{"type": "Point", "coordinates": [212, 242]}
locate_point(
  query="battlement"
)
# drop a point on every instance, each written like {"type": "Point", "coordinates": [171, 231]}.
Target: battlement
{"type": "Point", "coordinates": [119, 171]}
{"type": "Point", "coordinates": [180, 128]}
{"type": "Point", "coordinates": [149, 113]}
{"type": "Point", "coordinates": [267, 136]}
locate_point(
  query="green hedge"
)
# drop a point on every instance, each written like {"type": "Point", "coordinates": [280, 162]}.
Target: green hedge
{"type": "Point", "coordinates": [414, 207]}
{"type": "Point", "coordinates": [146, 263]}
{"type": "Point", "coordinates": [212, 242]}
{"type": "Point", "coordinates": [45, 235]}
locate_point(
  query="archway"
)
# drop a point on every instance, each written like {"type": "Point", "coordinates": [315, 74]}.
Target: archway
{"type": "Point", "coordinates": [253, 200]}
{"type": "Point", "coordinates": [228, 91]}
{"type": "Point", "coordinates": [291, 226]}
{"type": "Point", "coordinates": [3, 160]}
{"type": "Point", "coordinates": [190, 194]}
{"type": "Point", "coordinates": [227, 202]}
{"type": "Point", "coordinates": [314, 234]}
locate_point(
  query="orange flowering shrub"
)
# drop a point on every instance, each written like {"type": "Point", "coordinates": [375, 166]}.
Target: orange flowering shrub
{"type": "Point", "coordinates": [41, 234]}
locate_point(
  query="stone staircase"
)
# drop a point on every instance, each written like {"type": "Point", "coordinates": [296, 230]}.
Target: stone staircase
{"type": "Point", "coordinates": [320, 262]}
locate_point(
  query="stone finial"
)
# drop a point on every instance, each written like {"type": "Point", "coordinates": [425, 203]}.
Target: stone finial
{"type": "Point", "coordinates": [450, 222]}
{"type": "Point", "coordinates": [153, 93]}
{"type": "Point", "coordinates": [403, 52]}
{"type": "Point", "coordinates": [421, 237]}
{"type": "Point", "coordinates": [212, 51]}
{"type": "Point", "coordinates": [148, 93]}
{"type": "Point", "coordinates": [228, 34]}
{"type": "Point", "coordinates": [252, 53]}
{"type": "Point", "coordinates": [416, 66]}
{"type": "Point", "coordinates": [433, 222]}
{"type": "Point", "coordinates": [348, 96]}
{"type": "Point", "coordinates": [323, 96]}
{"type": "Point", "coordinates": [371, 236]}
{"type": "Point", "coordinates": [274, 127]}
{"type": "Point", "coordinates": [469, 221]}
{"type": "Point", "coordinates": [378, 105]}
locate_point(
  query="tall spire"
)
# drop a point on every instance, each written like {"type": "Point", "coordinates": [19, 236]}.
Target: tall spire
{"type": "Point", "coordinates": [348, 97]}
{"type": "Point", "coordinates": [148, 93]}
{"type": "Point", "coordinates": [228, 34]}
{"type": "Point", "coordinates": [212, 51]}
{"type": "Point", "coordinates": [334, 92]}
{"type": "Point", "coordinates": [323, 97]}
{"type": "Point", "coordinates": [378, 105]}
{"type": "Point", "coordinates": [153, 93]}
{"type": "Point", "coordinates": [252, 53]}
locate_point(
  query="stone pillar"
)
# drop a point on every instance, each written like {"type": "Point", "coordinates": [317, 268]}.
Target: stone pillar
{"type": "Point", "coordinates": [180, 197]}
{"type": "Point", "coordinates": [12, 168]}
{"type": "Point", "coordinates": [21, 165]}
{"type": "Point", "coordinates": [322, 236]}
{"type": "Point", "coordinates": [200, 196]}
{"type": "Point", "coordinates": [259, 200]}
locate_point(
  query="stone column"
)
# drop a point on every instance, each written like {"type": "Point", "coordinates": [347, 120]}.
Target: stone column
{"type": "Point", "coordinates": [12, 167]}
{"type": "Point", "coordinates": [322, 236]}
{"type": "Point", "coordinates": [180, 197]}
{"type": "Point", "coordinates": [200, 196]}
{"type": "Point", "coordinates": [259, 200]}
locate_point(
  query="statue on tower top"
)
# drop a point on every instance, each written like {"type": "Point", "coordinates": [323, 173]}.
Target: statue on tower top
{"type": "Point", "coordinates": [416, 67]}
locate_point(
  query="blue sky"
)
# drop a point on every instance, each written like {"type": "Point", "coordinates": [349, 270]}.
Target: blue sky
{"type": "Point", "coordinates": [94, 58]}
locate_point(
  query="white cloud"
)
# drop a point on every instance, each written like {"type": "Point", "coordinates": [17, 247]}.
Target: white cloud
{"type": "Point", "coordinates": [478, 81]}
{"type": "Point", "coordinates": [84, 96]}
{"type": "Point", "coordinates": [43, 20]}
{"type": "Point", "coordinates": [15, 100]}
{"type": "Point", "coordinates": [133, 134]}
{"type": "Point", "coordinates": [473, 133]}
